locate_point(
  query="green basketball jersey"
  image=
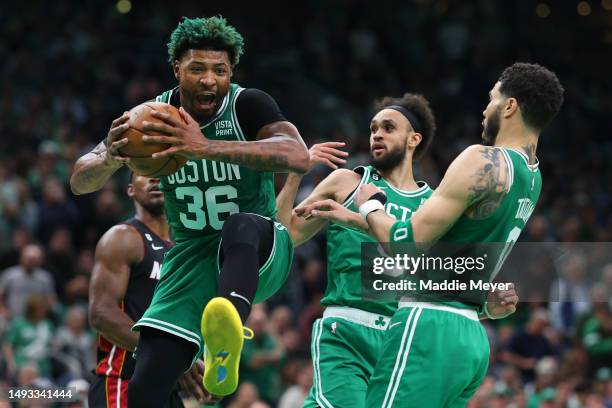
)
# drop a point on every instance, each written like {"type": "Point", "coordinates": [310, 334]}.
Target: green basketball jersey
{"type": "Point", "coordinates": [344, 283]}
{"type": "Point", "coordinates": [204, 193]}
{"type": "Point", "coordinates": [503, 226]}
{"type": "Point", "coordinates": [507, 222]}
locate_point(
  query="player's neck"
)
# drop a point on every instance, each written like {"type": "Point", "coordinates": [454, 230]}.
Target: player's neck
{"type": "Point", "coordinates": [156, 223]}
{"type": "Point", "coordinates": [401, 177]}
{"type": "Point", "coordinates": [520, 138]}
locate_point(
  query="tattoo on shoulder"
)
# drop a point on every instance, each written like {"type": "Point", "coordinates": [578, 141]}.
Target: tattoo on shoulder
{"type": "Point", "coordinates": [489, 185]}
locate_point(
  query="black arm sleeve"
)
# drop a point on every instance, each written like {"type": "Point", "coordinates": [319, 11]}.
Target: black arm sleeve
{"type": "Point", "coordinates": [256, 109]}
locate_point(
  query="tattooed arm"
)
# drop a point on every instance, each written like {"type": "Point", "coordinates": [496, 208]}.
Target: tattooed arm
{"type": "Point", "coordinates": [279, 147]}
{"type": "Point", "coordinates": [93, 169]}
{"type": "Point", "coordinates": [474, 184]}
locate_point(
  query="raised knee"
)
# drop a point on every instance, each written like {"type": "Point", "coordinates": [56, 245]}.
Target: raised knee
{"type": "Point", "coordinates": [239, 222]}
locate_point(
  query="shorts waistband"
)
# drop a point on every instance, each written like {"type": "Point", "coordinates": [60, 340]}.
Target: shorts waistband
{"type": "Point", "coordinates": [358, 316]}
{"type": "Point", "coordinates": [469, 313]}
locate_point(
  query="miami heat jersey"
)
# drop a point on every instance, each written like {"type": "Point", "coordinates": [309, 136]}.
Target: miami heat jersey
{"type": "Point", "coordinates": [113, 360]}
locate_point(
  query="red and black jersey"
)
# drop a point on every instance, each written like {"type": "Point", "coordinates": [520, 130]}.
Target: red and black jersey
{"type": "Point", "coordinates": [113, 361]}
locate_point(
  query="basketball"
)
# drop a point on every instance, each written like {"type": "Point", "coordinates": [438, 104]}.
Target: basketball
{"type": "Point", "coordinates": [140, 152]}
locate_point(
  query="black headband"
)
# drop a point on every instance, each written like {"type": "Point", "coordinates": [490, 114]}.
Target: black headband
{"type": "Point", "coordinates": [414, 121]}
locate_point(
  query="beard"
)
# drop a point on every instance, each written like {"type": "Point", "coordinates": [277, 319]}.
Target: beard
{"type": "Point", "coordinates": [491, 129]}
{"type": "Point", "coordinates": [154, 208]}
{"type": "Point", "coordinates": [390, 160]}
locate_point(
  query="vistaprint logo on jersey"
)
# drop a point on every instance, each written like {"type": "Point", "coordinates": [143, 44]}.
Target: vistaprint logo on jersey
{"type": "Point", "coordinates": [223, 128]}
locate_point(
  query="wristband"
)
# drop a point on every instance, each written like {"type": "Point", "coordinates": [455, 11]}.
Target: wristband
{"type": "Point", "coordinates": [371, 205]}
{"type": "Point", "coordinates": [379, 197]}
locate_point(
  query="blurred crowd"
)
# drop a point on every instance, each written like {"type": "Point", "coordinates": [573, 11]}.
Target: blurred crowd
{"type": "Point", "coordinates": [69, 70]}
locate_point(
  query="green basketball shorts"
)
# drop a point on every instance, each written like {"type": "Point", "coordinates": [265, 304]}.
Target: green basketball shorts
{"type": "Point", "coordinates": [433, 356]}
{"type": "Point", "coordinates": [189, 280]}
{"type": "Point", "coordinates": [346, 343]}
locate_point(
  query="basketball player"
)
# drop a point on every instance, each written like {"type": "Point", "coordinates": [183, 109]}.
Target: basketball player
{"type": "Point", "coordinates": [128, 262]}
{"type": "Point", "coordinates": [347, 340]}
{"type": "Point", "coordinates": [220, 207]}
{"type": "Point", "coordinates": [486, 195]}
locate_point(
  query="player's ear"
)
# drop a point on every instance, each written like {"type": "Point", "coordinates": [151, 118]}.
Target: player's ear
{"type": "Point", "coordinates": [414, 139]}
{"type": "Point", "coordinates": [176, 68]}
{"type": "Point", "coordinates": [510, 107]}
{"type": "Point", "coordinates": [130, 190]}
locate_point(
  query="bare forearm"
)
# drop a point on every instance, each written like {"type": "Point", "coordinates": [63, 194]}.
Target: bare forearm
{"type": "Point", "coordinates": [116, 327]}
{"type": "Point", "coordinates": [286, 198]}
{"type": "Point", "coordinates": [380, 225]}
{"type": "Point", "coordinates": [276, 154]}
{"type": "Point", "coordinates": [90, 173]}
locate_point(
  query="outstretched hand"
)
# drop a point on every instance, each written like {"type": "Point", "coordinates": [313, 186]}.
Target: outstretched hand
{"type": "Point", "coordinates": [327, 153]}
{"type": "Point", "coordinates": [332, 211]}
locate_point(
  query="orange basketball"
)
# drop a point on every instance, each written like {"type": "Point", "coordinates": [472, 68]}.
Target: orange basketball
{"type": "Point", "coordinates": [140, 152]}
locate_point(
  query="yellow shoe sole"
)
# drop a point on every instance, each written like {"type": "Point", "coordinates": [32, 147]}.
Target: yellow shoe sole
{"type": "Point", "coordinates": [223, 339]}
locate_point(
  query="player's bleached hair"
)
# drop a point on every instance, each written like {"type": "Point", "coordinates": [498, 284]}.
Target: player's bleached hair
{"type": "Point", "coordinates": [537, 90]}
{"type": "Point", "coordinates": [211, 33]}
{"type": "Point", "coordinates": [419, 106]}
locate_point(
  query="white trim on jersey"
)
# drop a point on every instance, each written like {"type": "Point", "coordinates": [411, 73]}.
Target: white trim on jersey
{"type": "Point", "coordinates": [364, 177]}
{"type": "Point", "coordinates": [531, 167]}
{"type": "Point", "coordinates": [316, 351]}
{"type": "Point", "coordinates": [414, 193]}
{"type": "Point", "coordinates": [510, 168]}
{"type": "Point", "coordinates": [234, 116]}
{"type": "Point", "coordinates": [402, 357]}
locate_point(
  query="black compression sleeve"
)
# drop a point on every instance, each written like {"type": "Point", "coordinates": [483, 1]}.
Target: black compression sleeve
{"type": "Point", "coordinates": [256, 109]}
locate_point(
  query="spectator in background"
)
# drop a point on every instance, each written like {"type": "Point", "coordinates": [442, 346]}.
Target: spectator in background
{"type": "Point", "coordinates": [596, 331]}
{"type": "Point", "coordinates": [245, 396]}
{"type": "Point", "coordinates": [296, 394]}
{"type": "Point", "coordinates": [603, 385]}
{"type": "Point", "coordinates": [570, 294]}
{"type": "Point", "coordinates": [261, 357]}
{"type": "Point", "coordinates": [20, 282]}
{"type": "Point", "coordinates": [10, 256]}
{"type": "Point", "coordinates": [574, 366]}
{"type": "Point", "coordinates": [108, 210]}
{"type": "Point", "coordinates": [55, 210]}
{"type": "Point", "coordinates": [29, 377]}
{"type": "Point", "coordinates": [28, 210]}
{"type": "Point", "coordinates": [606, 280]}
{"type": "Point", "coordinates": [29, 337]}
{"type": "Point", "coordinates": [546, 373]}
{"type": "Point", "coordinates": [74, 345]}
{"type": "Point", "coordinates": [59, 260]}
{"type": "Point", "coordinates": [282, 319]}
{"type": "Point", "coordinates": [529, 344]}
